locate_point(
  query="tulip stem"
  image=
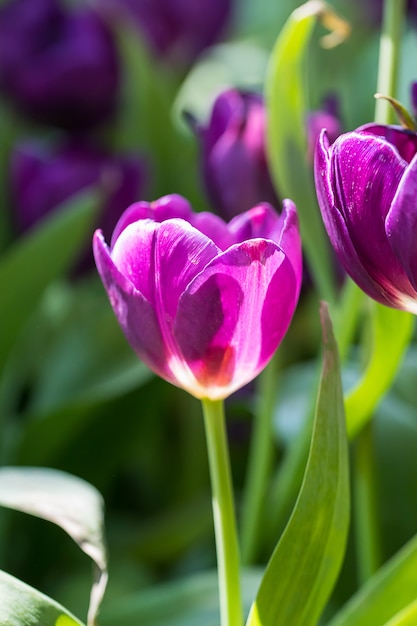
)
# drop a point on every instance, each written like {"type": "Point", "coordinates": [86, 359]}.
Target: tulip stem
{"type": "Point", "coordinates": [223, 513]}
{"type": "Point", "coordinates": [260, 459]}
{"type": "Point", "coordinates": [389, 53]}
{"type": "Point", "coordinates": [365, 496]}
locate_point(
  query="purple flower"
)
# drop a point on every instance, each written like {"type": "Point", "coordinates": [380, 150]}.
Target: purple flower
{"type": "Point", "coordinates": [43, 177]}
{"type": "Point", "coordinates": [234, 162]}
{"type": "Point", "coordinates": [204, 303]}
{"type": "Point", "coordinates": [176, 30]}
{"type": "Point", "coordinates": [327, 117]}
{"type": "Point", "coordinates": [367, 188]}
{"type": "Point", "coordinates": [57, 66]}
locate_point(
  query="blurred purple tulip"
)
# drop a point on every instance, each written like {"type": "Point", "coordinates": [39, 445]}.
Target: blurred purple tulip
{"type": "Point", "coordinates": [176, 30]}
{"type": "Point", "coordinates": [367, 188]}
{"type": "Point", "coordinates": [326, 117]}
{"type": "Point", "coordinates": [204, 303]}
{"type": "Point", "coordinates": [57, 66]}
{"type": "Point", "coordinates": [233, 150]}
{"type": "Point", "coordinates": [42, 178]}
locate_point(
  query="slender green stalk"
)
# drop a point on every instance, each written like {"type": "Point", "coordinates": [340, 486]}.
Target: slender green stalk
{"type": "Point", "coordinates": [260, 459]}
{"type": "Point", "coordinates": [224, 514]}
{"type": "Point", "coordinates": [389, 54]}
{"type": "Point", "coordinates": [347, 315]}
{"type": "Point", "coordinates": [367, 533]}
{"type": "Point", "coordinates": [366, 522]}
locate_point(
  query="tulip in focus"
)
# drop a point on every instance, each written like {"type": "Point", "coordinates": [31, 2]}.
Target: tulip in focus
{"type": "Point", "coordinates": [58, 66]}
{"type": "Point", "coordinates": [367, 188]}
{"type": "Point", "coordinates": [233, 152]}
{"type": "Point", "coordinates": [205, 304]}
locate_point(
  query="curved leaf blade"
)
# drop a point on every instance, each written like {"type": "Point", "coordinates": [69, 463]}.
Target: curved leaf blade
{"type": "Point", "coordinates": [35, 260]}
{"type": "Point", "coordinates": [22, 605]}
{"type": "Point", "coordinates": [69, 502]}
{"type": "Point", "coordinates": [387, 593]}
{"type": "Point", "coordinates": [287, 108]}
{"type": "Point", "coordinates": [391, 334]}
{"type": "Point", "coordinates": [304, 566]}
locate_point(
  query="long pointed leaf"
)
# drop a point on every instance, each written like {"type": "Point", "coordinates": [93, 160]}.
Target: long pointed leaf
{"type": "Point", "coordinates": [387, 593]}
{"type": "Point", "coordinates": [71, 503]}
{"type": "Point", "coordinates": [35, 260]}
{"type": "Point", "coordinates": [21, 605]}
{"type": "Point", "coordinates": [287, 108]}
{"type": "Point", "coordinates": [304, 567]}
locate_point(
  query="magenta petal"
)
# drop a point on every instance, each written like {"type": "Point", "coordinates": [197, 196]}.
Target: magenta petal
{"type": "Point", "coordinates": [134, 313]}
{"type": "Point", "coordinates": [401, 226]}
{"type": "Point", "coordinates": [161, 259]}
{"type": "Point", "coordinates": [233, 294]}
{"type": "Point", "coordinates": [214, 228]}
{"type": "Point", "coordinates": [165, 208]}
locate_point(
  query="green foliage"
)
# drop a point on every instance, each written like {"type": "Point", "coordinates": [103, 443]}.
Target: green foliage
{"type": "Point", "coordinates": [303, 569]}
{"type": "Point", "coordinates": [21, 605]}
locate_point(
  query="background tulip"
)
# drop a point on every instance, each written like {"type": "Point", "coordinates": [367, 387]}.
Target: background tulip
{"type": "Point", "coordinates": [43, 177]}
{"type": "Point", "coordinates": [176, 30]}
{"type": "Point", "coordinates": [57, 66]}
{"type": "Point", "coordinates": [366, 186]}
{"type": "Point", "coordinates": [233, 153]}
{"type": "Point", "coordinates": [204, 317]}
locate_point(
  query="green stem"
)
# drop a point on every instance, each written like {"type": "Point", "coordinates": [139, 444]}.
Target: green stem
{"type": "Point", "coordinates": [389, 54]}
{"type": "Point", "coordinates": [260, 459]}
{"type": "Point", "coordinates": [224, 514]}
{"type": "Point", "coordinates": [365, 495]}
{"type": "Point", "coordinates": [367, 527]}
{"type": "Point", "coordinates": [346, 316]}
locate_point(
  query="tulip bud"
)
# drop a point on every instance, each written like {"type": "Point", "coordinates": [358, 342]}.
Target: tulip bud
{"type": "Point", "coordinates": [367, 187]}
{"type": "Point", "coordinates": [234, 165]}
{"type": "Point", "coordinates": [57, 66]}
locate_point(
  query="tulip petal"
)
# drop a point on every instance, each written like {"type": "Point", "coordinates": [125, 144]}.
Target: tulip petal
{"type": "Point", "coordinates": [133, 311]}
{"type": "Point", "coordinates": [356, 176]}
{"type": "Point", "coordinates": [165, 208]}
{"type": "Point", "coordinates": [401, 226]}
{"type": "Point", "coordinates": [250, 286]}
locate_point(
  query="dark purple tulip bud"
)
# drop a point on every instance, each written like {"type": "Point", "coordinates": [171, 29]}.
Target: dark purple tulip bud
{"type": "Point", "coordinates": [327, 117]}
{"type": "Point", "coordinates": [367, 188]}
{"type": "Point", "coordinates": [57, 66]}
{"type": "Point", "coordinates": [176, 30]}
{"type": "Point", "coordinates": [235, 169]}
{"type": "Point", "coordinates": [43, 178]}
{"type": "Point", "coordinates": [370, 12]}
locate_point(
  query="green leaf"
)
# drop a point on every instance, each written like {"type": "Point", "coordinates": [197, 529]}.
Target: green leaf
{"type": "Point", "coordinates": [287, 107]}
{"type": "Point", "coordinates": [35, 260]}
{"type": "Point", "coordinates": [304, 566]}
{"type": "Point", "coordinates": [406, 617]}
{"type": "Point", "coordinates": [189, 602]}
{"type": "Point", "coordinates": [71, 503]}
{"type": "Point", "coordinates": [387, 593]}
{"type": "Point", "coordinates": [391, 335]}
{"type": "Point", "coordinates": [21, 605]}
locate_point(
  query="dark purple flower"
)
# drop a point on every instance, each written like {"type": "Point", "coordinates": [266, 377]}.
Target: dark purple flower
{"type": "Point", "coordinates": [367, 189]}
{"type": "Point", "coordinates": [58, 66]}
{"type": "Point", "coordinates": [42, 178]}
{"type": "Point", "coordinates": [233, 150]}
{"type": "Point", "coordinates": [205, 304]}
{"type": "Point", "coordinates": [176, 30]}
{"type": "Point", "coordinates": [326, 117]}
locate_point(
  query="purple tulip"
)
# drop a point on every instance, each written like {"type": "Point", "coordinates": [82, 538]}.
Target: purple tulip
{"type": "Point", "coordinates": [42, 178]}
{"type": "Point", "coordinates": [205, 304]}
{"type": "Point", "coordinates": [367, 187]}
{"type": "Point", "coordinates": [176, 30]}
{"type": "Point", "coordinates": [58, 66]}
{"type": "Point", "coordinates": [234, 162]}
{"type": "Point", "coordinates": [326, 117]}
